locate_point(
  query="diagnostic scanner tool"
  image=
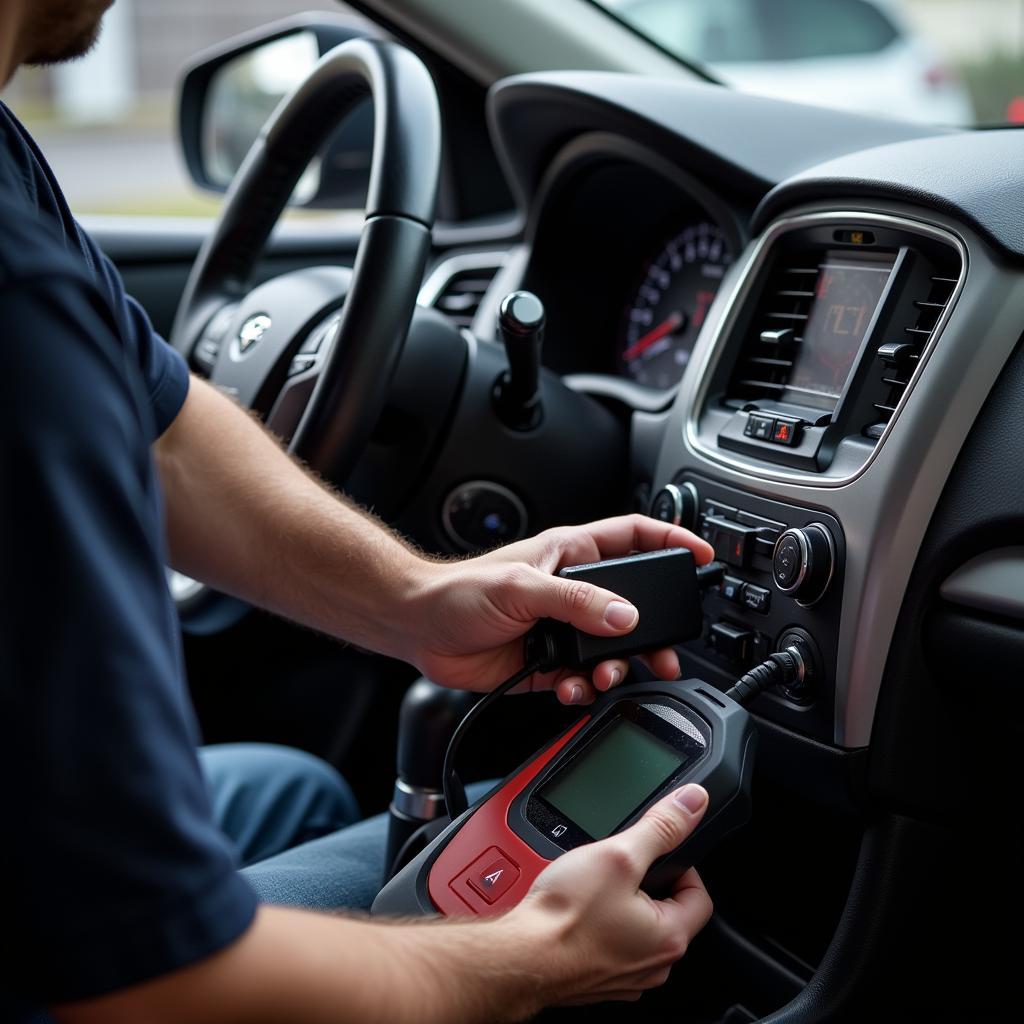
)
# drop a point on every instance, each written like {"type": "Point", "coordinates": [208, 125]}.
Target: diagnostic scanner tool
{"type": "Point", "coordinates": [632, 747]}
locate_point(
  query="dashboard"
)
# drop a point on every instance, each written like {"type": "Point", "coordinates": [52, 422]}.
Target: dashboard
{"type": "Point", "coordinates": [787, 325]}
{"type": "Point", "coordinates": [810, 325]}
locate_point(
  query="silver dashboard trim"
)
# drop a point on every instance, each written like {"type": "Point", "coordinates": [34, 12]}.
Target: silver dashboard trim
{"type": "Point", "coordinates": [735, 304]}
{"type": "Point", "coordinates": [439, 277]}
{"type": "Point", "coordinates": [885, 511]}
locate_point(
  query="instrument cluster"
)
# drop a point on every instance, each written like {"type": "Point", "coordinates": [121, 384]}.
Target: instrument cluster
{"type": "Point", "coordinates": [664, 314]}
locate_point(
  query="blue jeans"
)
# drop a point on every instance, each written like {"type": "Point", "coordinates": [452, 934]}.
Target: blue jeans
{"type": "Point", "coordinates": [295, 824]}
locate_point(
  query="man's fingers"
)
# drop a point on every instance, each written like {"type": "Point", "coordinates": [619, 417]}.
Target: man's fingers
{"type": "Point", "coordinates": [689, 908]}
{"type": "Point", "coordinates": [616, 537]}
{"type": "Point", "coordinates": [666, 825]}
{"type": "Point", "coordinates": [591, 609]}
{"type": "Point", "coordinates": [609, 674]}
{"type": "Point", "coordinates": [663, 663]}
{"type": "Point", "coordinates": [575, 690]}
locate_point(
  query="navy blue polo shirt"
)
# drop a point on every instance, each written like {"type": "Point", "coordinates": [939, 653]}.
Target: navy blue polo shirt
{"type": "Point", "coordinates": [111, 869]}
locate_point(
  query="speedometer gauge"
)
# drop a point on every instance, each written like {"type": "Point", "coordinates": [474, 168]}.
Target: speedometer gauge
{"type": "Point", "coordinates": [666, 314]}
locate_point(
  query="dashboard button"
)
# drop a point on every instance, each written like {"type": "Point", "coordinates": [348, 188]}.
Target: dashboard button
{"type": "Point", "coordinates": [786, 432]}
{"type": "Point", "coordinates": [731, 642]}
{"type": "Point", "coordinates": [482, 514]}
{"type": "Point", "coordinates": [804, 561]}
{"type": "Point", "coordinates": [667, 505]}
{"type": "Point", "coordinates": [732, 588]}
{"type": "Point", "coordinates": [719, 508]}
{"type": "Point", "coordinates": [676, 504]}
{"type": "Point", "coordinates": [732, 542]}
{"type": "Point", "coordinates": [760, 427]}
{"type": "Point", "coordinates": [787, 561]}
{"type": "Point", "coordinates": [757, 599]}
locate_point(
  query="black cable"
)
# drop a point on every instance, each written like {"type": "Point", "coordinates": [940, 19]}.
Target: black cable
{"type": "Point", "coordinates": [454, 791]}
{"type": "Point", "coordinates": [780, 668]}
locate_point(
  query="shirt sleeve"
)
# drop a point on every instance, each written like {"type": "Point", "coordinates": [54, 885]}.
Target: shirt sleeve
{"type": "Point", "coordinates": [116, 871]}
{"type": "Point", "coordinates": [162, 367]}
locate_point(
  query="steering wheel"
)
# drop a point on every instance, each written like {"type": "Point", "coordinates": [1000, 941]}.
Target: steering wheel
{"type": "Point", "coordinates": [314, 351]}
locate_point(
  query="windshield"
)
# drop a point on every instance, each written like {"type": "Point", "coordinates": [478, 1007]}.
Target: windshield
{"type": "Point", "coordinates": [957, 62]}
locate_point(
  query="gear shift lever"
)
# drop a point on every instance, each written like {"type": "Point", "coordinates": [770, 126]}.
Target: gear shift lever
{"type": "Point", "coordinates": [426, 721]}
{"type": "Point", "coordinates": [517, 393]}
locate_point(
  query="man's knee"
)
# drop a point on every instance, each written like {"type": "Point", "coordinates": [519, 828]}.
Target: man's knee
{"type": "Point", "coordinates": [268, 797]}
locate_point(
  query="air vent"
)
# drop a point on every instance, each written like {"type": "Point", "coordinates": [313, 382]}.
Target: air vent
{"type": "Point", "coordinates": [766, 359]}
{"type": "Point", "coordinates": [458, 285]}
{"type": "Point", "coordinates": [898, 358]}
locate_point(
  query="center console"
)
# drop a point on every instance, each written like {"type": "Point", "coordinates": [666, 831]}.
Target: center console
{"type": "Point", "coordinates": [836, 321]}
{"type": "Point", "coordinates": [799, 418]}
{"type": "Point", "coordinates": [783, 580]}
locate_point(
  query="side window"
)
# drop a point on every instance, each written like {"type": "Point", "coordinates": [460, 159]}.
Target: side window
{"type": "Point", "coordinates": [827, 28]}
{"type": "Point", "coordinates": [708, 31]}
{"type": "Point", "coordinates": [108, 122]}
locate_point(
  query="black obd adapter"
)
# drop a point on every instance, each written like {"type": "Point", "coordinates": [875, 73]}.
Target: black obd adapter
{"type": "Point", "coordinates": [664, 586]}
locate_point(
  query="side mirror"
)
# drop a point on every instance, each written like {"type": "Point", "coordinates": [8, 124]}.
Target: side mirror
{"type": "Point", "coordinates": [227, 94]}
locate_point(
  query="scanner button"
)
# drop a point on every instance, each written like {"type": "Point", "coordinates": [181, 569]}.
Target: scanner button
{"type": "Point", "coordinates": [493, 875]}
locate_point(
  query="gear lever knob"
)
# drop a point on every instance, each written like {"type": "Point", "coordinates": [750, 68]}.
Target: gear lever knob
{"type": "Point", "coordinates": [428, 717]}
{"type": "Point", "coordinates": [521, 325]}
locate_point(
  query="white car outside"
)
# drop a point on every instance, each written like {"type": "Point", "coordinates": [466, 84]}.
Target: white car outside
{"type": "Point", "coordinates": [859, 55]}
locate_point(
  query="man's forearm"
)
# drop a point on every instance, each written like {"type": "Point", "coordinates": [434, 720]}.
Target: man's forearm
{"type": "Point", "coordinates": [245, 518]}
{"type": "Point", "coordinates": [298, 966]}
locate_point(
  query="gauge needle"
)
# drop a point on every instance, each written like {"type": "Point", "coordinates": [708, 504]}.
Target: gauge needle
{"type": "Point", "coordinates": [670, 324]}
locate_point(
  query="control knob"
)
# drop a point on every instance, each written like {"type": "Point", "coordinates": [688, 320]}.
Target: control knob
{"type": "Point", "coordinates": [676, 504]}
{"type": "Point", "coordinates": [803, 562]}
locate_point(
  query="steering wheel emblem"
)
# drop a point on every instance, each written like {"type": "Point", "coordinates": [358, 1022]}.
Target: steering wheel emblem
{"type": "Point", "coordinates": [251, 331]}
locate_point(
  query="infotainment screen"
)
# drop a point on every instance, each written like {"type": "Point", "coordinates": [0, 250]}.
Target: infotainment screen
{"type": "Point", "coordinates": [847, 294]}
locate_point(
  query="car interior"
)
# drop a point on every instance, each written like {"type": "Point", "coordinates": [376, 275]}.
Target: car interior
{"type": "Point", "coordinates": [793, 330]}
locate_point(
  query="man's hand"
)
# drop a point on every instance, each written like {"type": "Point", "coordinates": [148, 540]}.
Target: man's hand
{"type": "Point", "coordinates": [584, 933]}
{"type": "Point", "coordinates": [467, 623]}
{"type": "Point", "coordinates": [607, 939]}
{"type": "Point", "coordinates": [245, 518]}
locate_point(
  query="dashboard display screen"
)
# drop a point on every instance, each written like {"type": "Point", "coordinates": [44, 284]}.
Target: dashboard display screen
{"type": "Point", "coordinates": [612, 777]}
{"type": "Point", "coordinates": [847, 294]}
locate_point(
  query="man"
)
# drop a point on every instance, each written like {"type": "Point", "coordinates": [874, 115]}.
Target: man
{"type": "Point", "coordinates": [123, 900]}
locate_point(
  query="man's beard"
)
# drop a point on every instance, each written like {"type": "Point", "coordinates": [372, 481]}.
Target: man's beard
{"type": "Point", "coordinates": [61, 30]}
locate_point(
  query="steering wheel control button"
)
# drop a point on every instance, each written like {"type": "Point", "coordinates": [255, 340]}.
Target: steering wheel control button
{"type": "Point", "coordinates": [732, 642]}
{"type": "Point", "coordinates": [757, 599]}
{"type": "Point", "coordinates": [803, 562]}
{"type": "Point", "coordinates": [212, 338]}
{"type": "Point", "coordinates": [316, 338]}
{"type": "Point", "coordinates": [481, 514]}
{"type": "Point", "coordinates": [759, 427]}
{"type": "Point", "coordinates": [493, 875]}
{"type": "Point", "coordinates": [300, 364]}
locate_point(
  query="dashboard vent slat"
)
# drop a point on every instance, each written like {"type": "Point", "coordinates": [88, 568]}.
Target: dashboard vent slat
{"type": "Point", "coordinates": [899, 359]}
{"type": "Point", "coordinates": [766, 358]}
{"type": "Point", "coordinates": [457, 286]}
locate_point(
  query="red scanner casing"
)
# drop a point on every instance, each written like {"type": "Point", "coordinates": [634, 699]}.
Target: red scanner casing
{"type": "Point", "coordinates": [482, 841]}
{"type": "Point", "coordinates": [485, 861]}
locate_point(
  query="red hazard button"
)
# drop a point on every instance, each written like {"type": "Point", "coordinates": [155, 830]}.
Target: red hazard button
{"type": "Point", "coordinates": [495, 877]}
{"type": "Point", "coordinates": [786, 432]}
